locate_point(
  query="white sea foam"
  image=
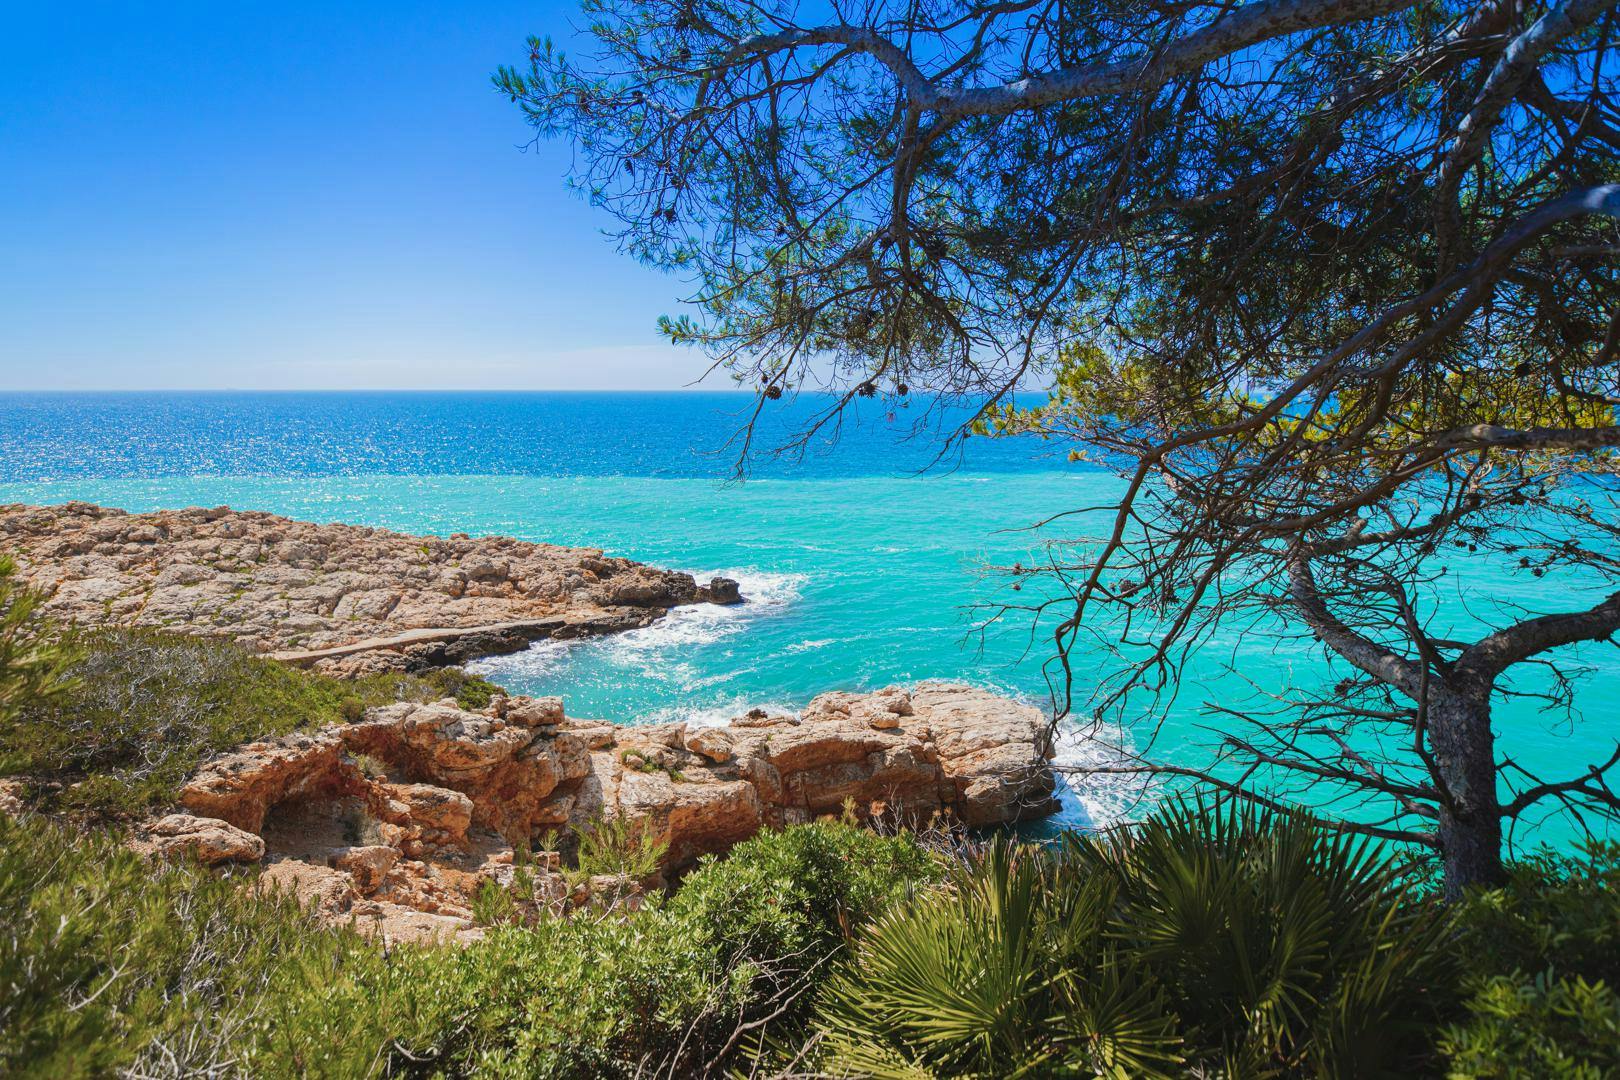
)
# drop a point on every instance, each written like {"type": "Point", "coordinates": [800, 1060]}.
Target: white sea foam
{"type": "Point", "coordinates": [1103, 799]}
{"type": "Point", "coordinates": [651, 647]}
{"type": "Point", "coordinates": [1090, 800]}
{"type": "Point", "coordinates": [715, 713]}
{"type": "Point", "coordinates": [763, 594]}
{"type": "Point", "coordinates": [538, 660]}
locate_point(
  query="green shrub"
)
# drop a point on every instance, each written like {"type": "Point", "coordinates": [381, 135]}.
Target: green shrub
{"type": "Point", "coordinates": [1555, 912]}
{"type": "Point", "coordinates": [618, 847]}
{"type": "Point", "coordinates": [109, 964]}
{"type": "Point", "coordinates": [1209, 941]}
{"type": "Point", "coordinates": [800, 891]}
{"type": "Point", "coordinates": [33, 659]}
{"type": "Point", "coordinates": [1540, 1027]}
{"type": "Point", "coordinates": [144, 708]}
{"type": "Point", "coordinates": [493, 905]}
{"type": "Point", "coordinates": [659, 992]}
{"type": "Point", "coordinates": [473, 692]}
{"type": "Point", "coordinates": [1543, 960]}
{"type": "Point", "coordinates": [1205, 943]}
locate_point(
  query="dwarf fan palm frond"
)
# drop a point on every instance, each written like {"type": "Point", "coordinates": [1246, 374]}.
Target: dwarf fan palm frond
{"type": "Point", "coordinates": [1212, 940]}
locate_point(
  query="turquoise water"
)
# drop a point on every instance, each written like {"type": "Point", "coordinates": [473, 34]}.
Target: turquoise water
{"type": "Point", "coordinates": [857, 573]}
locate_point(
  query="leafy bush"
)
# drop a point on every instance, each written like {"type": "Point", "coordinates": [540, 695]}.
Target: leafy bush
{"type": "Point", "coordinates": [660, 992]}
{"type": "Point", "coordinates": [781, 907]}
{"type": "Point", "coordinates": [493, 905]}
{"type": "Point", "coordinates": [473, 692]}
{"type": "Point", "coordinates": [144, 708]}
{"type": "Point", "coordinates": [110, 964]}
{"type": "Point", "coordinates": [1209, 941]}
{"type": "Point", "coordinates": [1543, 958]}
{"type": "Point", "coordinates": [799, 892]}
{"type": "Point", "coordinates": [108, 961]}
{"type": "Point", "coordinates": [1543, 1026]}
{"type": "Point", "coordinates": [1555, 912]}
{"type": "Point", "coordinates": [672, 989]}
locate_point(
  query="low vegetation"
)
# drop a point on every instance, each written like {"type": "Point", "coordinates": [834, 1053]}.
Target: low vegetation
{"type": "Point", "coordinates": [1209, 941]}
{"type": "Point", "coordinates": [32, 656]}
{"type": "Point", "coordinates": [617, 847]}
{"type": "Point", "coordinates": [108, 964]}
{"type": "Point", "coordinates": [670, 989]}
{"type": "Point", "coordinates": [1205, 945]}
{"type": "Point", "coordinates": [140, 709]}
{"type": "Point", "coordinates": [1543, 958]}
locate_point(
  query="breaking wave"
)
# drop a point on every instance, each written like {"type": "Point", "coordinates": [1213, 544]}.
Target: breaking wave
{"type": "Point", "coordinates": [655, 650]}
{"type": "Point", "coordinates": [1093, 800]}
{"type": "Point", "coordinates": [763, 594]}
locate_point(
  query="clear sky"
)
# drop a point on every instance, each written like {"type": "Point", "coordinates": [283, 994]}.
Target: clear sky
{"type": "Point", "coordinates": [301, 195]}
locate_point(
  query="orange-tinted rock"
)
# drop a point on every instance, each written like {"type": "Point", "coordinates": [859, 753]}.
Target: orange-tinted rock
{"type": "Point", "coordinates": [241, 786]}
{"type": "Point", "coordinates": [693, 815]}
{"type": "Point", "coordinates": [13, 798]}
{"type": "Point", "coordinates": [713, 743]}
{"type": "Point", "coordinates": [367, 865]}
{"type": "Point", "coordinates": [320, 889]}
{"type": "Point", "coordinates": [463, 788]}
{"type": "Point", "coordinates": [507, 770]}
{"type": "Point", "coordinates": [986, 749]}
{"type": "Point", "coordinates": [441, 813]}
{"type": "Point", "coordinates": [208, 840]}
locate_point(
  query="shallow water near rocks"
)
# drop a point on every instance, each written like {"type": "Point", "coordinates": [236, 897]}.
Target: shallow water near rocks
{"type": "Point", "coordinates": [857, 572]}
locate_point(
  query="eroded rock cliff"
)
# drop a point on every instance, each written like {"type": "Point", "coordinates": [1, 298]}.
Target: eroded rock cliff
{"type": "Point", "coordinates": [400, 817]}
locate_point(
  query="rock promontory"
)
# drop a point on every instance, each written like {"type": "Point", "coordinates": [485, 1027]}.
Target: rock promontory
{"type": "Point", "coordinates": [402, 816]}
{"type": "Point", "coordinates": [348, 598]}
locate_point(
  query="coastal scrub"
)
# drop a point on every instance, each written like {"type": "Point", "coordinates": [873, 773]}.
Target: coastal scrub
{"type": "Point", "coordinates": [141, 709]}
{"type": "Point", "coordinates": [114, 964]}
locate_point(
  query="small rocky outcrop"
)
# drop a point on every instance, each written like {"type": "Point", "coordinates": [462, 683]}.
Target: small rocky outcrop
{"type": "Point", "coordinates": [398, 819]}
{"type": "Point", "coordinates": [241, 786]}
{"type": "Point", "coordinates": [349, 598]}
{"type": "Point", "coordinates": [210, 841]}
{"type": "Point", "coordinates": [13, 798]}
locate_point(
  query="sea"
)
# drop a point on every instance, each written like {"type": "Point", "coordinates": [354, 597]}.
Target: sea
{"type": "Point", "coordinates": [878, 549]}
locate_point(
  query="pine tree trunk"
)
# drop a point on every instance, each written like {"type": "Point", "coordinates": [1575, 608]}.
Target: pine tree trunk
{"type": "Point", "coordinates": [1470, 815]}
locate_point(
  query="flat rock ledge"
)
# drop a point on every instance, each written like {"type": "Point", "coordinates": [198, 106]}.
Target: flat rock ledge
{"type": "Point", "coordinates": [347, 599]}
{"type": "Point", "coordinates": [396, 821]}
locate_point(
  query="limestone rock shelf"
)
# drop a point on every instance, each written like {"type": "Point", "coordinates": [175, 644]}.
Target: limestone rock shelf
{"type": "Point", "coordinates": [347, 598]}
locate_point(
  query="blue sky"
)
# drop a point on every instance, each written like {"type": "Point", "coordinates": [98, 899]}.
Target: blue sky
{"type": "Point", "coordinates": [301, 196]}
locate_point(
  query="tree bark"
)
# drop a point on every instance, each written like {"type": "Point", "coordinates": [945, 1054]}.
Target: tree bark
{"type": "Point", "coordinates": [1470, 826]}
{"type": "Point", "coordinates": [1456, 722]}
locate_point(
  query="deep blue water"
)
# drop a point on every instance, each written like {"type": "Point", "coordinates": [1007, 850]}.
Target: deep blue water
{"type": "Point", "coordinates": [859, 572]}
{"type": "Point", "coordinates": [666, 435]}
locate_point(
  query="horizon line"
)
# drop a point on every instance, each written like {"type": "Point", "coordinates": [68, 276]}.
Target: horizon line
{"type": "Point", "coordinates": [380, 390]}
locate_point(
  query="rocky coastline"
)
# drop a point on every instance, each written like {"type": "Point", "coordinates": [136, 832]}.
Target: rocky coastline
{"type": "Point", "coordinates": [397, 820]}
{"type": "Point", "coordinates": [346, 599]}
